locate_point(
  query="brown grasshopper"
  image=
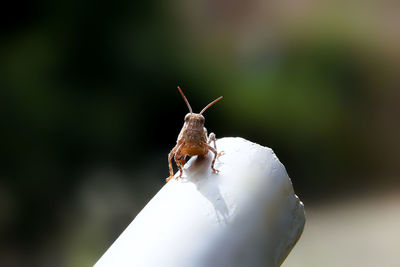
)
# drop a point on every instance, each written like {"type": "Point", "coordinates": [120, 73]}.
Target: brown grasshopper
{"type": "Point", "coordinates": [192, 140]}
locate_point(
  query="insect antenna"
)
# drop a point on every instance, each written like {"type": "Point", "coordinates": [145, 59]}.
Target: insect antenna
{"type": "Point", "coordinates": [184, 98]}
{"type": "Point", "coordinates": [209, 105]}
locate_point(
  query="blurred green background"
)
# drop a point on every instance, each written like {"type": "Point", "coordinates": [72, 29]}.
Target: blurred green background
{"type": "Point", "coordinates": [89, 111]}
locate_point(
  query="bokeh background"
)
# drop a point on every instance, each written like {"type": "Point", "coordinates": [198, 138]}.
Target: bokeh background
{"type": "Point", "coordinates": [89, 111]}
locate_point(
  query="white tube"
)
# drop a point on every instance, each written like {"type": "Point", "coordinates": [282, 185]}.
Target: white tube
{"type": "Point", "coordinates": [246, 215]}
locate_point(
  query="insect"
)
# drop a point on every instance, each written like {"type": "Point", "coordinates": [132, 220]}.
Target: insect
{"type": "Point", "coordinates": [192, 140]}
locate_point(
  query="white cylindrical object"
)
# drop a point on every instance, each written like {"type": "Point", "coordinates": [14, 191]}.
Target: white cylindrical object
{"type": "Point", "coordinates": [246, 215]}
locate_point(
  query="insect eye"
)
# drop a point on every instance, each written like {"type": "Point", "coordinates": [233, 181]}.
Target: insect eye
{"type": "Point", "coordinates": [187, 117]}
{"type": "Point", "coordinates": [202, 119]}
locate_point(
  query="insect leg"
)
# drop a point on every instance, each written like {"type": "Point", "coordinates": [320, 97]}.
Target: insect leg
{"type": "Point", "coordinates": [170, 155]}
{"type": "Point", "coordinates": [215, 156]}
{"type": "Point", "coordinates": [179, 161]}
{"type": "Point", "coordinates": [212, 138]}
{"type": "Point", "coordinates": [182, 160]}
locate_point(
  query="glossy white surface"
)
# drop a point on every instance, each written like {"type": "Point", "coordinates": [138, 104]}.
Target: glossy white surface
{"type": "Point", "coordinates": [246, 215]}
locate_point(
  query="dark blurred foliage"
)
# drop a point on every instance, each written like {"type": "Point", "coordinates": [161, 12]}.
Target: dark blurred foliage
{"type": "Point", "coordinates": [89, 106]}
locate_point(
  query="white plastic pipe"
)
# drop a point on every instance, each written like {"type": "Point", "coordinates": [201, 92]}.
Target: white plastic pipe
{"type": "Point", "coordinates": [246, 215]}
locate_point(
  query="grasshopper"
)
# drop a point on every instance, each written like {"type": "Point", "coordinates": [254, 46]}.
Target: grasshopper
{"type": "Point", "coordinates": [192, 140]}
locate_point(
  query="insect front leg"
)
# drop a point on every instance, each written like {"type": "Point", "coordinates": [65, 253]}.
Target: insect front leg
{"type": "Point", "coordinates": [170, 155]}
{"type": "Point", "coordinates": [215, 157]}
{"type": "Point", "coordinates": [180, 161]}
{"type": "Point", "coordinates": [212, 138]}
